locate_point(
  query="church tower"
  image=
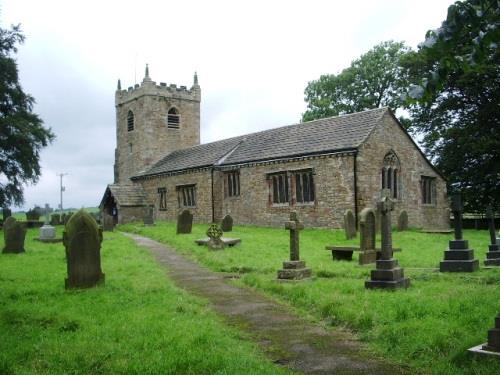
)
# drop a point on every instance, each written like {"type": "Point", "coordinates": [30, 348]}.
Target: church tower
{"type": "Point", "coordinates": [152, 121]}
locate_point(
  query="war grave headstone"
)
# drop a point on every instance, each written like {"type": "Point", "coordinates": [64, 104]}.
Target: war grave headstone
{"type": "Point", "coordinates": [493, 254]}
{"type": "Point", "coordinates": [294, 269]}
{"type": "Point", "coordinates": [458, 257]}
{"type": "Point", "coordinates": [368, 252]}
{"type": "Point", "coordinates": [227, 224]}
{"type": "Point", "coordinates": [108, 223]}
{"type": "Point", "coordinates": [492, 347]}
{"type": "Point", "coordinates": [388, 274]}
{"type": "Point", "coordinates": [14, 234]}
{"type": "Point", "coordinates": [47, 231]}
{"type": "Point", "coordinates": [349, 224]}
{"type": "Point", "coordinates": [149, 217]}
{"type": "Point", "coordinates": [55, 219]}
{"type": "Point", "coordinates": [82, 239]}
{"type": "Point", "coordinates": [403, 221]}
{"type": "Point", "coordinates": [184, 222]}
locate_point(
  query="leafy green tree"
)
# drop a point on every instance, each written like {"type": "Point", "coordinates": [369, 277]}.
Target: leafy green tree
{"type": "Point", "coordinates": [455, 101]}
{"type": "Point", "coordinates": [22, 134]}
{"type": "Point", "coordinates": [376, 79]}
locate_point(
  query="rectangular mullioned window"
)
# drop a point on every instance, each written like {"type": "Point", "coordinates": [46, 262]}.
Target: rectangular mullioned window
{"type": "Point", "coordinates": [232, 184]}
{"type": "Point", "coordinates": [186, 195]}
{"type": "Point", "coordinates": [304, 186]}
{"type": "Point", "coordinates": [162, 197]}
{"type": "Point", "coordinates": [279, 188]}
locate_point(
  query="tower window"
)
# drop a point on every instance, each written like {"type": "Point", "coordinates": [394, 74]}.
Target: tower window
{"type": "Point", "coordinates": [130, 121]}
{"type": "Point", "coordinates": [173, 119]}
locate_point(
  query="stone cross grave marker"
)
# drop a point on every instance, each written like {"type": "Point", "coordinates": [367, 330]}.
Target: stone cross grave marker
{"type": "Point", "coordinates": [184, 222]}
{"type": "Point", "coordinates": [403, 221]}
{"type": "Point", "coordinates": [14, 234]}
{"type": "Point", "coordinates": [349, 224]}
{"type": "Point", "coordinates": [295, 268]}
{"type": "Point", "coordinates": [149, 217]}
{"type": "Point", "coordinates": [388, 274]}
{"type": "Point", "coordinates": [82, 239]}
{"type": "Point", "coordinates": [47, 231]}
{"type": "Point", "coordinates": [458, 257]}
{"type": "Point", "coordinates": [493, 254]}
{"type": "Point", "coordinates": [214, 234]}
{"type": "Point", "coordinates": [227, 224]}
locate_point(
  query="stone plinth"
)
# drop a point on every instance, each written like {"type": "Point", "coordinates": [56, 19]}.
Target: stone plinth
{"type": "Point", "coordinates": [492, 347]}
{"type": "Point", "coordinates": [493, 256]}
{"type": "Point", "coordinates": [294, 270]}
{"type": "Point", "coordinates": [387, 275]}
{"type": "Point", "coordinates": [227, 241]}
{"type": "Point", "coordinates": [459, 258]}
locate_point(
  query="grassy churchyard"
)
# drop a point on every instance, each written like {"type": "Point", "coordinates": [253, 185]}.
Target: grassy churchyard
{"type": "Point", "coordinates": [139, 322]}
{"type": "Point", "coordinates": [428, 327]}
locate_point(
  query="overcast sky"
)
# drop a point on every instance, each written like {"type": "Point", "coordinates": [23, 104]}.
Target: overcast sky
{"type": "Point", "coordinates": [253, 58]}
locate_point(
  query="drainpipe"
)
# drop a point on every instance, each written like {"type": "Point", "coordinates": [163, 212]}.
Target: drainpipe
{"type": "Point", "coordinates": [213, 204]}
{"type": "Point", "coordinates": [355, 169]}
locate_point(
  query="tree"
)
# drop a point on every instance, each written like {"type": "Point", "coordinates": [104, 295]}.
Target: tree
{"type": "Point", "coordinates": [22, 134]}
{"type": "Point", "coordinates": [455, 100]}
{"type": "Point", "coordinates": [374, 80]}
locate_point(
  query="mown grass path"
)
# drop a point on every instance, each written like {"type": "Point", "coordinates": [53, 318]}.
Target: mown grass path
{"type": "Point", "coordinates": [286, 338]}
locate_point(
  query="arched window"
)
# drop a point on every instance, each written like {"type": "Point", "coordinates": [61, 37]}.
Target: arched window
{"type": "Point", "coordinates": [173, 118]}
{"type": "Point", "coordinates": [390, 174]}
{"type": "Point", "coordinates": [130, 121]}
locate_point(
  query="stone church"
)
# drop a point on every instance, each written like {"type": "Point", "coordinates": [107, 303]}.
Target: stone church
{"type": "Point", "coordinates": [319, 168]}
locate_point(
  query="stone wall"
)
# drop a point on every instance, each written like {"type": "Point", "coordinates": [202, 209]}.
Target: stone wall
{"type": "Point", "coordinates": [151, 139]}
{"type": "Point", "coordinates": [202, 213]}
{"type": "Point", "coordinates": [127, 214]}
{"type": "Point", "coordinates": [388, 136]}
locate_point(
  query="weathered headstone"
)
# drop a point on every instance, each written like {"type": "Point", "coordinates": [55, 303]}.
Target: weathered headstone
{"type": "Point", "coordinates": [458, 257]}
{"type": "Point", "coordinates": [149, 217]}
{"type": "Point", "coordinates": [14, 234]}
{"type": "Point", "coordinates": [82, 239]}
{"type": "Point", "coordinates": [295, 269]}
{"type": "Point", "coordinates": [184, 222]}
{"type": "Point", "coordinates": [214, 234]}
{"type": "Point", "coordinates": [55, 219]}
{"type": "Point", "coordinates": [6, 212]}
{"type": "Point", "coordinates": [403, 221]}
{"type": "Point", "coordinates": [349, 224]}
{"type": "Point", "coordinates": [108, 223]}
{"type": "Point", "coordinates": [493, 254]}
{"type": "Point", "coordinates": [47, 231]}
{"type": "Point", "coordinates": [227, 224]}
{"type": "Point", "coordinates": [367, 234]}
{"type": "Point", "coordinates": [388, 274]}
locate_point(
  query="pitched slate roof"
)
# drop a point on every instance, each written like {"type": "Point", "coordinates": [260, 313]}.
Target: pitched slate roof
{"type": "Point", "coordinates": [126, 195]}
{"type": "Point", "coordinates": [331, 134]}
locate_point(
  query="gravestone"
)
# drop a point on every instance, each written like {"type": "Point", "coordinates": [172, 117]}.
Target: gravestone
{"type": "Point", "coordinates": [214, 234]}
{"type": "Point", "coordinates": [227, 224]}
{"type": "Point", "coordinates": [82, 239]}
{"type": "Point", "coordinates": [349, 224]}
{"type": "Point", "coordinates": [55, 219]}
{"type": "Point", "coordinates": [184, 222]}
{"type": "Point", "coordinates": [149, 217]}
{"type": "Point", "coordinates": [493, 254]}
{"type": "Point", "coordinates": [295, 269]}
{"type": "Point", "coordinates": [388, 274]}
{"type": "Point", "coordinates": [6, 212]}
{"type": "Point", "coordinates": [47, 231]}
{"type": "Point", "coordinates": [108, 223]}
{"type": "Point", "coordinates": [367, 234]}
{"type": "Point", "coordinates": [458, 257]}
{"type": "Point", "coordinates": [403, 221]}
{"type": "Point", "coordinates": [14, 234]}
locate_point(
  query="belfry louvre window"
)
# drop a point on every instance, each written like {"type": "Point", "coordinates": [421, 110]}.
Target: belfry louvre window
{"type": "Point", "coordinates": [279, 188]}
{"type": "Point", "coordinates": [428, 187]}
{"type": "Point", "coordinates": [232, 184]}
{"type": "Point", "coordinates": [130, 121]}
{"type": "Point", "coordinates": [186, 195]}
{"type": "Point", "coordinates": [304, 186]}
{"type": "Point", "coordinates": [162, 196]}
{"type": "Point", "coordinates": [173, 119]}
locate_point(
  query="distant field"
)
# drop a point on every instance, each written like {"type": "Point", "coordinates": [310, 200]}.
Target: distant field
{"type": "Point", "coordinates": [21, 215]}
{"type": "Point", "coordinates": [138, 323]}
{"type": "Point", "coordinates": [427, 328]}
